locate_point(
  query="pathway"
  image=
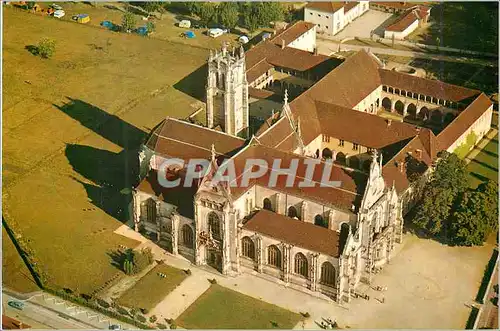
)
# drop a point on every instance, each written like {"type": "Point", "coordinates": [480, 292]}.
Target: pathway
{"type": "Point", "coordinates": [328, 47]}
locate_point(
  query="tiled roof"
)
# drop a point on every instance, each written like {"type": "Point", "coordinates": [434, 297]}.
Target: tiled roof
{"type": "Point", "coordinates": [175, 138]}
{"type": "Point", "coordinates": [344, 197]}
{"type": "Point", "coordinates": [350, 5]}
{"type": "Point", "coordinates": [291, 33]}
{"type": "Point", "coordinates": [266, 54]}
{"type": "Point", "coordinates": [9, 323]}
{"type": "Point", "coordinates": [395, 4]}
{"type": "Point", "coordinates": [463, 121]}
{"type": "Point", "coordinates": [180, 196]}
{"type": "Point", "coordinates": [259, 93]}
{"type": "Point", "coordinates": [430, 87]}
{"type": "Point", "coordinates": [327, 7]}
{"type": "Point", "coordinates": [394, 173]}
{"type": "Point", "coordinates": [296, 232]}
{"type": "Point", "coordinates": [350, 82]}
{"type": "Point", "coordinates": [335, 120]}
{"type": "Point", "coordinates": [403, 22]}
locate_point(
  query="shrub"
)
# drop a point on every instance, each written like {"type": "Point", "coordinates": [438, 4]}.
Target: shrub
{"type": "Point", "coordinates": [153, 318]}
{"type": "Point", "coordinates": [86, 297]}
{"type": "Point", "coordinates": [122, 310]}
{"type": "Point", "coordinates": [128, 22]}
{"type": "Point", "coordinates": [306, 314]}
{"type": "Point", "coordinates": [68, 290]}
{"type": "Point", "coordinates": [150, 26]}
{"type": "Point", "coordinates": [144, 311]}
{"type": "Point", "coordinates": [173, 326]}
{"type": "Point", "coordinates": [161, 326]}
{"type": "Point", "coordinates": [188, 272]}
{"type": "Point", "coordinates": [128, 267]}
{"type": "Point", "coordinates": [141, 318]}
{"type": "Point", "coordinates": [103, 303]}
{"type": "Point", "coordinates": [134, 311]}
{"type": "Point", "coordinates": [46, 48]}
{"type": "Point", "coordinates": [213, 281]}
{"type": "Point", "coordinates": [169, 320]}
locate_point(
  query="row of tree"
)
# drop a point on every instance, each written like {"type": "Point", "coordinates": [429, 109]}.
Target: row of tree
{"type": "Point", "coordinates": [251, 15]}
{"type": "Point", "coordinates": [452, 210]}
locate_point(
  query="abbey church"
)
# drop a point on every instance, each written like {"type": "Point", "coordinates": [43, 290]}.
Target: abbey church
{"type": "Point", "coordinates": [321, 240]}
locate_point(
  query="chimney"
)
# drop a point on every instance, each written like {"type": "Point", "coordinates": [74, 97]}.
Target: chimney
{"type": "Point", "coordinates": [282, 43]}
{"type": "Point", "coordinates": [389, 122]}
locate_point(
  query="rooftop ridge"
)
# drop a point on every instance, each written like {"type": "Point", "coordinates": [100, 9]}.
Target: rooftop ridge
{"type": "Point", "coordinates": [203, 127]}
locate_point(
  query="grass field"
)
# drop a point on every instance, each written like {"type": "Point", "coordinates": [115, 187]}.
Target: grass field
{"type": "Point", "coordinates": [71, 128]}
{"type": "Point", "coordinates": [15, 274]}
{"type": "Point", "coordinates": [463, 25]}
{"type": "Point", "coordinates": [151, 289]}
{"type": "Point", "coordinates": [222, 308]}
{"type": "Point", "coordinates": [485, 164]}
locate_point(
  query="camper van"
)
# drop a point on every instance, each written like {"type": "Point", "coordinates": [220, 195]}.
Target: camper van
{"type": "Point", "coordinates": [214, 33]}
{"type": "Point", "coordinates": [185, 24]}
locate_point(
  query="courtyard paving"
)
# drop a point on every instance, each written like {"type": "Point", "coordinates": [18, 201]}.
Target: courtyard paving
{"type": "Point", "coordinates": [361, 27]}
{"type": "Point", "coordinates": [429, 285]}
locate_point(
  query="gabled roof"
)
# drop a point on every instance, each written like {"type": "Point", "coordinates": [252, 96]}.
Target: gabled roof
{"type": "Point", "coordinates": [403, 22]}
{"type": "Point", "coordinates": [463, 121]}
{"type": "Point", "coordinates": [429, 87]}
{"type": "Point", "coordinates": [327, 7]}
{"type": "Point", "coordinates": [344, 197]}
{"type": "Point", "coordinates": [180, 139]}
{"type": "Point", "coordinates": [296, 232]}
{"type": "Point", "coordinates": [291, 33]}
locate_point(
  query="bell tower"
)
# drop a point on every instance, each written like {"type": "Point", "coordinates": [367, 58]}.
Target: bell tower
{"type": "Point", "coordinates": [227, 92]}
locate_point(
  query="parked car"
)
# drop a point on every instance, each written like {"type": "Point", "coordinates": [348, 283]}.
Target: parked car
{"type": "Point", "coordinates": [115, 327]}
{"type": "Point", "coordinates": [185, 24]}
{"type": "Point", "coordinates": [59, 13]}
{"type": "Point", "coordinates": [55, 6]}
{"type": "Point", "coordinates": [16, 304]}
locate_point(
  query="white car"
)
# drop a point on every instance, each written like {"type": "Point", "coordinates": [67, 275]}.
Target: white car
{"type": "Point", "coordinates": [59, 13]}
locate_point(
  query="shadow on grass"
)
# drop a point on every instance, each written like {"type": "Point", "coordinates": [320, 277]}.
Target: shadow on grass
{"type": "Point", "coordinates": [111, 173]}
{"type": "Point", "coordinates": [194, 83]}
{"type": "Point", "coordinates": [32, 49]}
{"type": "Point", "coordinates": [484, 164]}
{"type": "Point", "coordinates": [479, 176]}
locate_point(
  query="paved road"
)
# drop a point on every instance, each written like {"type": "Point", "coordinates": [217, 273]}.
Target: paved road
{"type": "Point", "coordinates": [40, 317]}
{"type": "Point", "coordinates": [45, 311]}
{"type": "Point", "coordinates": [328, 47]}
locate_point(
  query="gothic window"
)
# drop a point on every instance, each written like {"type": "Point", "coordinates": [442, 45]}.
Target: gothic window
{"type": "Point", "coordinates": [341, 143]}
{"type": "Point", "coordinates": [274, 256]}
{"type": "Point", "coordinates": [187, 236]}
{"type": "Point", "coordinates": [248, 247]}
{"type": "Point", "coordinates": [327, 274]}
{"type": "Point", "coordinates": [301, 265]}
{"type": "Point", "coordinates": [292, 212]}
{"type": "Point", "coordinates": [268, 205]}
{"type": "Point", "coordinates": [214, 225]}
{"type": "Point", "coordinates": [355, 147]}
{"type": "Point", "coordinates": [151, 210]}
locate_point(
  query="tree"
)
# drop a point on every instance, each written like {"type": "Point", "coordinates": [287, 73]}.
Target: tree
{"type": "Point", "coordinates": [488, 203]}
{"type": "Point", "coordinates": [448, 181]}
{"type": "Point", "coordinates": [206, 13]}
{"type": "Point", "coordinates": [128, 22]}
{"type": "Point", "coordinates": [227, 14]}
{"type": "Point", "coordinates": [467, 225]}
{"type": "Point", "coordinates": [151, 6]}
{"type": "Point", "coordinates": [46, 48]}
{"type": "Point", "coordinates": [150, 26]}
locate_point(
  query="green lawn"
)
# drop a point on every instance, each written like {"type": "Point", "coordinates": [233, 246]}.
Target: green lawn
{"type": "Point", "coordinates": [485, 164]}
{"type": "Point", "coordinates": [222, 308]}
{"type": "Point", "coordinates": [152, 289]}
{"type": "Point", "coordinates": [464, 25]}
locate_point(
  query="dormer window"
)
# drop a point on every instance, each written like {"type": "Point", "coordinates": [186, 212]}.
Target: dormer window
{"type": "Point", "coordinates": [341, 143]}
{"type": "Point", "coordinates": [355, 147]}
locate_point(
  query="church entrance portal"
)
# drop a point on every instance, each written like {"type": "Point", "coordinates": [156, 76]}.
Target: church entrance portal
{"type": "Point", "coordinates": [214, 259]}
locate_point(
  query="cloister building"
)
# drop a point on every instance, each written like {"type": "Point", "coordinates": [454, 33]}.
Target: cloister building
{"type": "Point", "coordinates": [321, 240]}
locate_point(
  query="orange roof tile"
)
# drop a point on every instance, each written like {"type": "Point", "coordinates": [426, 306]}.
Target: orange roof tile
{"type": "Point", "coordinates": [296, 232]}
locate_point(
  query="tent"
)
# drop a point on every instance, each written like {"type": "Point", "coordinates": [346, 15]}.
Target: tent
{"type": "Point", "coordinates": [243, 39]}
{"type": "Point", "coordinates": [107, 24]}
{"type": "Point", "coordinates": [190, 34]}
{"type": "Point", "coordinates": [143, 31]}
{"type": "Point", "coordinates": [83, 18]}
